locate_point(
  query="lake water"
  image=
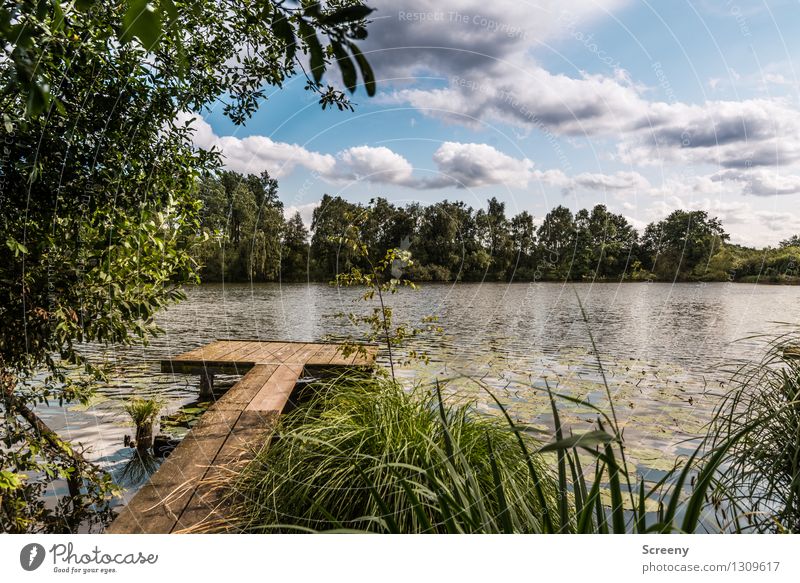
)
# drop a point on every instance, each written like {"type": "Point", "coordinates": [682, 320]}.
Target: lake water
{"type": "Point", "coordinates": [664, 348]}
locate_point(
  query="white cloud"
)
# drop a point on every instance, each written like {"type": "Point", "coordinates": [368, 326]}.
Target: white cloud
{"type": "Point", "coordinates": [532, 97]}
{"type": "Point", "coordinates": [306, 212]}
{"type": "Point", "coordinates": [254, 154]}
{"type": "Point", "coordinates": [458, 36]}
{"type": "Point", "coordinates": [474, 165]}
{"type": "Point", "coordinates": [481, 53]}
{"type": "Point", "coordinates": [761, 182]}
{"type": "Point", "coordinates": [459, 165]}
{"type": "Point", "coordinates": [374, 164]}
{"type": "Point", "coordinates": [617, 181]}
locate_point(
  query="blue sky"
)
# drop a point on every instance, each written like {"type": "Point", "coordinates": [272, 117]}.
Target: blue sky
{"type": "Point", "coordinates": [642, 106]}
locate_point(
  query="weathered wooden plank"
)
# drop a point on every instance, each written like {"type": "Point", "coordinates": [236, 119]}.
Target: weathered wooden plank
{"type": "Point", "coordinates": [240, 394]}
{"type": "Point", "coordinates": [324, 354]}
{"type": "Point", "coordinates": [248, 353]}
{"type": "Point", "coordinates": [211, 352]}
{"type": "Point", "coordinates": [267, 351]}
{"type": "Point", "coordinates": [304, 354]}
{"type": "Point", "coordinates": [207, 511]}
{"type": "Point", "coordinates": [238, 361]}
{"type": "Point", "coordinates": [157, 506]}
{"type": "Point", "coordinates": [274, 395]}
{"type": "Point", "coordinates": [200, 367]}
{"type": "Point", "coordinates": [286, 353]}
{"type": "Point", "coordinates": [182, 495]}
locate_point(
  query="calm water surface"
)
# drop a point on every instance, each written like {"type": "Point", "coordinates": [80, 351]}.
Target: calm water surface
{"type": "Point", "coordinates": [665, 349]}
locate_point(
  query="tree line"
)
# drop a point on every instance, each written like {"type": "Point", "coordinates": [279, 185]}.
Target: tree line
{"type": "Point", "coordinates": [451, 241]}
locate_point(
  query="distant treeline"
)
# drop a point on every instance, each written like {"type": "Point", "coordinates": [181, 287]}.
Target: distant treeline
{"type": "Point", "coordinates": [452, 241]}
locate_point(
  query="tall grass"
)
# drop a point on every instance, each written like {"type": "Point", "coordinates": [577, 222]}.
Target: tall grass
{"type": "Point", "coordinates": [760, 488]}
{"type": "Point", "coordinates": [144, 414]}
{"type": "Point", "coordinates": [364, 454]}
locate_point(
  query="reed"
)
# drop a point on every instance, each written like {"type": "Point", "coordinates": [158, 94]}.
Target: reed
{"type": "Point", "coordinates": [760, 488]}
{"type": "Point", "coordinates": [144, 414]}
{"type": "Point", "coordinates": [364, 454]}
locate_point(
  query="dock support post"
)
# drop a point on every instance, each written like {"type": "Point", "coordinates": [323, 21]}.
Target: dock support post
{"type": "Point", "coordinates": [206, 385]}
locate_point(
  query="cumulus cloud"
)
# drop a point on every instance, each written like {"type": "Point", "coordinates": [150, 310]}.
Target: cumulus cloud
{"type": "Point", "coordinates": [459, 165]}
{"type": "Point", "coordinates": [761, 182]}
{"type": "Point", "coordinates": [533, 98]}
{"type": "Point", "coordinates": [374, 164]}
{"type": "Point", "coordinates": [618, 181]}
{"type": "Point", "coordinates": [481, 53]}
{"type": "Point", "coordinates": [458, 36]}
{"type": "Point", "coordinates": [306, 212]}
{"type": "Point", "coordinates": [474, 165]}
{"type": "Point", "coordinates": [728, 134]}
{"type": "Point", "coordinates": [254, 154]}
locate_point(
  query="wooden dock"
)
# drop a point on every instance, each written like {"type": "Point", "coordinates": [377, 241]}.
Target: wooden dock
{"type": "Point", "coordinates": [179, 497]}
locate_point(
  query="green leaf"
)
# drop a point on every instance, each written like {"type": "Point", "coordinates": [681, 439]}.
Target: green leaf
{"type": "Point", "coordinates": [284, 31]}
{"type": "Point", "coordinates": [38, 98]}
{"type": "Point", "coordinates": [168, 7]}
{"type": "Point", "coordinates": [347, 14]}
{"type": "Point", "coordinates": [315, 48]}
{"type": "Point", "coordinates": [366, 69]}
{"type": "Point", "coordinates": [141, 21]}
{"type": "Point", "coordinates": [17, 247]}
{"type": "Point", "coordinates": [58, 16]}
{"type": "Point", "coordinates": [346, 66]}
{"type": "Point", "coordinates": [10, 480]}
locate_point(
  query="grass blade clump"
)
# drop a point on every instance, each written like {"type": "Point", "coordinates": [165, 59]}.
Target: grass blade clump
{"type": "Point", "coordinates": [144, 414]}
{"type": "Point", "coordinates": [365, 454]}
{"type": "Point", "coordinates": [759, 491]}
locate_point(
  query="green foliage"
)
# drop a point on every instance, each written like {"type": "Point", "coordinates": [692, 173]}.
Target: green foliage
{"type": "Point", "coordinates": [680, 246]}
{"type": "Point", "coordinates": [382, 277]}
{"type": "Point", "coordinates": [99, 215]}
{"type": "Point", "coordinates": [452, 241]}
{"type": "Point", "coordinates": [294, 250]}
{"type": "Point", "coordinates": [143, 411]}
{"type": "Point", "coordinates": [175, 35]}
{"type": "Point", "coordinates": [760, 488]}
{"type": "Point", "coordinates": [246, 217]}
{"type": "Point", "coordinates": [144, 414]}
{"type": "Point", "coordinates": [793, 241]}
{"type": "Point", "coordinates": [363, 453]}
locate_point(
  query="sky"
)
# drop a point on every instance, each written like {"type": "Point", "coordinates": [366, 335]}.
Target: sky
{"type": "Point", "coordinates": [644, 106]}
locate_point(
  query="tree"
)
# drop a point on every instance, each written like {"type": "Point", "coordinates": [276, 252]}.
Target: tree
{"type": "Point", "coordinates": [99, 191]}
{"type": "Point", "coordinates": [523, 240]}
{"type": "Point", "coordinates": [556, 237]}
{"type": "Point", "coordinates": [444, 242]}
{"type": "Point", "coordinates": [604, 245]}
{"type": "Point", "coordinates": [680, 246]}
{"type": "Point", "coordinates": [793, 241]}
{"type": "Point", "coordinates": [294, 250]}
{"type": "Point", "coordinates": [329, 223]}
{"type": "Point", "coordinates": [495, 237]}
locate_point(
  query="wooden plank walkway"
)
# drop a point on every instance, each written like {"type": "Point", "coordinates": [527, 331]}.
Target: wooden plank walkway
{"type": "Point", "coordinates": [180, 496]}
